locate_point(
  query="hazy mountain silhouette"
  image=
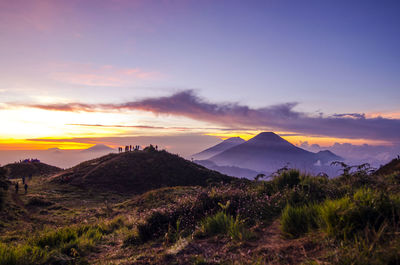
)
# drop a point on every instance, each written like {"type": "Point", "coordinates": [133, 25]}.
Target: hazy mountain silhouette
{"type": "Point", "coordinates": [268, 152]}
{"type": "Point", "coordinates": [99, 148]}
{"type": "Point", "coordinates": [219, 148]}
{"type": "Point", "coordinates": [327, 156]}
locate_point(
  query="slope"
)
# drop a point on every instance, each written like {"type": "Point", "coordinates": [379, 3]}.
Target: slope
{"type": "Point", "coordinates": [219, 148]}
{"type": "Point", "coordinates": [16, 170]}
{"type": "Point", "coordinates": [137, 172]}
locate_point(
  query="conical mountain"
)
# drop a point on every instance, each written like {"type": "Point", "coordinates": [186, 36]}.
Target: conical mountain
{"type": "Point", "coordinates": [267, 151]}
{"type": "Point", "coordinates": [219, 148]}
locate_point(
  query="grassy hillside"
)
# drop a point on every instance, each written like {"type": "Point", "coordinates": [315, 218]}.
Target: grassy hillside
{"type": "Point", "coordinates": [18, 170]}
{"type": "Point", "coordinates": [4, 184]}
{"type": "Point", "coordinates": [291, 219]}
{"type": "Point", "coordinates": [390, 168]}
{"type": "Point", "coordinates": [139, 171]}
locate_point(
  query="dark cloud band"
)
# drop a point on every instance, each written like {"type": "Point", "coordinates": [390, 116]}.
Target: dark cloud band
{"type": "Point", "coordinates": [281, 117]}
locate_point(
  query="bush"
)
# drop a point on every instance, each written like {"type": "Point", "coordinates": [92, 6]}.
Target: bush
{"type": "Point", "coordinates": [155, 226]}
{"type": "Point", "coordinates": [345, 217]}
{"type": "Point", "coordinates": [296, 221]}
{"type": "Point", "coordinates": [288, 178]}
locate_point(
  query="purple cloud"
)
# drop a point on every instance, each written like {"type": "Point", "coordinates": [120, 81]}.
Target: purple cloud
{"type": "Point", "coordinates": [277, 117]}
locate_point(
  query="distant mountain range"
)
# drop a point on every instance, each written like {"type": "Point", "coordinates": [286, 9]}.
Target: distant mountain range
{"type": "Point", "coordinates": [264, 153]}
{"type": "Point", "coordinates": [219, 148]}
{"type": "Point", "coordinates": [99, 148]}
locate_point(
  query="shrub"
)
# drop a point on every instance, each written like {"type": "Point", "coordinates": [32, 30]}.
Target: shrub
{"type": "Point", "coordinates": [155, 226]}
{"type": "Point", "coordinates": [296, 221]}
{"type": "Point", "coordinates": [345, 217]}
{"type": "Point", "coordinates": [288, 178]}
{"type": "Point", "coordinates": [217, 224]}
{"type": "Point", "coordinates": [330, 213]}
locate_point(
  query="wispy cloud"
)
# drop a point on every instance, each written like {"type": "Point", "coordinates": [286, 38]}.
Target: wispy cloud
{"type": "Point", "coordinates": [281, 117]}
{"type": "Point", "coordinates": [181, 128]}
{"type": "Point", "coordinates": [101, 75]}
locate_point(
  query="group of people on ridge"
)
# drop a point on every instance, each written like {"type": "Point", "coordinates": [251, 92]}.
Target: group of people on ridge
{"type": "Point", "coordinates": [130, 148]}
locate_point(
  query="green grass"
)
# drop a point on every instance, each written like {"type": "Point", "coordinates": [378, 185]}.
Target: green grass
{"type": "Point", "coordinates": [225, 224]}
{"type": "Point", "coordinates": [296, 221]}
{"type": "Point", "coordinates": [288, 178]}
{"type": "Point", "coordinates": [67, 243]}
{"type": "Point", "coordinates": [342, 218]}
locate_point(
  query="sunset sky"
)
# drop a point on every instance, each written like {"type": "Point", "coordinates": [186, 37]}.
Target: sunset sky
{"type": "Point", "coordinates": [75, 73]}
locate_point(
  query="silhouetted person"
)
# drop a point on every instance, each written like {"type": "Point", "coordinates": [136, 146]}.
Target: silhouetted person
{"type": "Point", "coordinates": [16, 187]}
{"type": "Point", "coordinates": [23, 180]}
{"type": "Point", "coordinates": [156, 147]}
{"type": "Point", "coordinates": [26, 188]}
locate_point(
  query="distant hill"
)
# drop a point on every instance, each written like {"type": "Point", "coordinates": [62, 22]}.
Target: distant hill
{"type": "Point", "coordinates": [391, 167]}
{"type": "Point", "coordinates": [268, 152]}
{"type": "Point", "coordinates": [16, 170]}
{"type": "Point", "coordinates": [219, 148]}
{"type": "Point", "coordinates": [99, 148]}
{"type": "Point", "coordinates": [137, 172]}
{"type": "Point", "coordinates": [327, 156]}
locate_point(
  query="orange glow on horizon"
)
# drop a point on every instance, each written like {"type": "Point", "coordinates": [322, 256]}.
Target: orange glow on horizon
{"type": "Point", "coordinates": [22, 144]}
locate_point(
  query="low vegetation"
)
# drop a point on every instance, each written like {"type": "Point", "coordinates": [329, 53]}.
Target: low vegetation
{"type": "Point", "coordinates": [292, 218]}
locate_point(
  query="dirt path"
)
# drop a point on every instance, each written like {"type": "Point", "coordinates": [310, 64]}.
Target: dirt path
{"type": "Point", "coordinates": [270, 248]}
{"type": "Point", "coordinates": [17, 200]}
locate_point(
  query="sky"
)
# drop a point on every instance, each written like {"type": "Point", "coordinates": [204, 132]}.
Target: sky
{"type": "Point", "coordinates": [75, 73]}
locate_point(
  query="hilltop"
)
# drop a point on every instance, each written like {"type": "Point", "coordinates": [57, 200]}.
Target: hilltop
{"type": "Point", "coordinates": [137, 172]}
{"type": "Point", "coordinates": [20, 169]}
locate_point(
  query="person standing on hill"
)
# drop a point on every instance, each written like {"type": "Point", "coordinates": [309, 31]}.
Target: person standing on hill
{"type": "Point", "coordinates": [23, 180]}
{"type": "Point", "coordinates": [26, 188]}
{"type": "Point", "coordinates": [16, 187]}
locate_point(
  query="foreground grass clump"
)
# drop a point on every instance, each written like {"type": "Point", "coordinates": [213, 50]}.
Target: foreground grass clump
{"type": "Point", "coordinates": [342, 218]}
{"type": "Point", "coordinates": [373, 247]}
{"type": "Point", "coordinates": [225, 224]}
{"type": "Point", "coordinates": [296, 221]}
{"type": "Point", "coordinates": [66, 245]}
{"type": "Point", "coordinates": [347, 216]}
